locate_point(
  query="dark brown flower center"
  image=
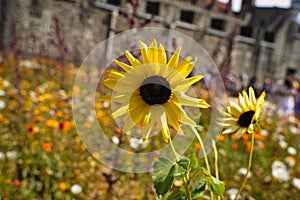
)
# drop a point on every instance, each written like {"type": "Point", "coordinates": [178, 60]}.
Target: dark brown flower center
{"type": "Point", "coordinates": [155, 90]}
{"type": "Point", "coordinates": [246, 118]}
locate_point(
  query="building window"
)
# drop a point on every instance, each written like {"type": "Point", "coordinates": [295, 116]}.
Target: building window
{"type": "Point", "coordinates": [246, 31]}
{"type": "Point", "coordinates": [187, 16]}
{"type": "Point", "coordinates": [269, 37]}
{"type": "Point", "coordinates": [152, 8]}
{"type": "Point", "coordinates": [114, 2]}
{"type": "Point", "coordinates": [218, 24]}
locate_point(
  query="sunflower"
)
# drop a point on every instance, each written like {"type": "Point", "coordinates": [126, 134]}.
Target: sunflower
{"type": "Point", "coordinates": [150, 93]}
{"type": "Point", "coordinates": [242, 116]}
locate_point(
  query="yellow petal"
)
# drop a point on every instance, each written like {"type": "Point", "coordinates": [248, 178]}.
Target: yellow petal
{"type": "Point", "coordinates": [173, 114]}
{"type": "Point", "coordinates": [185, 119]}
{"type": "Point", "coordinates": [129, 123]}
{"type": "Point", "coordinates": [194, 79]}
{"type": "Point", "coordinates": [110, 83]}
{"type": "Point", "coordinates": [259, 104]}
{"type": "Point", "coordinates": [246, 100]}
{"type": "Point", "coordinates": [133, 61]}
{"type": "Point", "coordinates": [190, 101]}
{"type": "Point", "coordinates": [242, 103]}
{"type": "Point", "coordinates": [115, 74]}
{"type": "Point", "coordinates": [121, 111]}
{"type": "Point", "coordinates": [162, 57]}
{"type": "Point", "coordinates": [252, 98]}
{"type": "Point", "coordinates": [105, 98]}
{"type": "Point", "coordinates": [240, 132]}
{"type": "Point", "coordinates": [138, 109]}
{"type": "Point", "coordinates": [165, 129]}
{"type": "Point", "coordinates": [184, 63]}
{"type": "Point", "coordinates": [152, 53]}
{"type": "Point", "coordinates": [173, 62]}
{"type": "Point", "coordinates": [230, 130]}
{"type": "Point", "coordinates": [124, 66]}
{"type": "Point", "coordinates": [185, 71]}
{"type": "Point", "coordinates": [235, 109]}
{"type": "Point", "coordinates": [143, 49]}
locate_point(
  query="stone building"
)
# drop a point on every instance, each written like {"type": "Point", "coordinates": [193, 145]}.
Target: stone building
{"type": "Point", "coordinates": [239, 36]}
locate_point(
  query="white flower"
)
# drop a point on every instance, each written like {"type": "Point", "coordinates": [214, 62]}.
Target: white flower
{"type": "Point", "coordinates": [2, 155]}
{"type": "Point", "coordinates": [2, 104]}
{"type": "Point", "coordinates": [292, 150]}
{"type": "Point", "coordinates": [279, 171]}
{"type": "Point", "coordinates": [105, 104]}
{"type": "Point", "coordinates": [294, 130]}
{"type": "Point", "coordinates": [264, 132]}
{"type": "Point", "coordinates": [6, 83]}
{"type": "Point", "coordinates": [292, 119]}
{"type": "Point", "coordinates": [11, 154]}
{"type": "Point", "coordinates": [91, 118]}
{"type": "Point", "coordinates": [243, 171]}
{"type": "Point", "coordinates": [115, 140]}
{"type": "Point", "coordinates": [232, 192]}
{"type": "Point", "coordinates": [76, 189]}
{"type": "Point", "coordinates": [2, 93]}
{"type": "Point", "coordinates": [134, 143]}
{"type": "Point", "coordinates": [283, 144]}
{"type": "Point", "coordinates": [63, 94]}
{"type": "Point", "coordinates": [296, 183]}
{"type": "Point", "coordinates": [290, 161]}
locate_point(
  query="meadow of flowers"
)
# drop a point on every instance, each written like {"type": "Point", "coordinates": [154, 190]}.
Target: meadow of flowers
{"type": "Point", "coordinates": [42, 157]}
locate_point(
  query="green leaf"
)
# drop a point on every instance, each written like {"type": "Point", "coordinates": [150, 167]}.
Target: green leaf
{"type": "Point", "coordinates": [178, 194]}
{"type": "Point", "coordinates": [193, 160]}
{"type": "Point", "coordinates": [198, 191]}
{"type": "Point", "coordinates": [215, 185]}
{"type": "Point", "coordinates": [163, 175]}
{"type": "Point", "coordinates": [182, 166]}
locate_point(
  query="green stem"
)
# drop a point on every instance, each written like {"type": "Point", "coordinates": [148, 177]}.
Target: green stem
{"type": "Point", "coordinates": [173, 150]}
{"type": "Point", "coordinates": [216, 162]}
{"type": "Point", "coordinates": [185, 175]}
{"type": "Point", "coordinates": [248, 168]}
{"type": "Point", "coordinates": [204, 153]}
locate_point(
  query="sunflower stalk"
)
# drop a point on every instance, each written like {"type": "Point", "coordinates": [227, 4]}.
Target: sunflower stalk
{"type": "Point", "coordinates": [204, 154]}
{"type": "Point", "coordinates": [248, 168]}
{"type": "Point", "coordinates": [185, 175]}
{"type": "Point", "coordinates": [216, 162]}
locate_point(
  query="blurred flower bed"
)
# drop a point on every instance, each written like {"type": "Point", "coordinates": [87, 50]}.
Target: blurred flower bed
{"type": "Point", "coordinates": [42, 157]}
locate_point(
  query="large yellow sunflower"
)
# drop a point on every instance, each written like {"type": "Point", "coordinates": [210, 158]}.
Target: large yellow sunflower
{"type": "Point", "coordinates": [242, 116]}
{"type": "Point", "coordinates": [151, 92]}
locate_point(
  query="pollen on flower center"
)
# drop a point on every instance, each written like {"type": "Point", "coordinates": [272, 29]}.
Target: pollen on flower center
{"type": "Point", "coordinates": [155, 90]}
{"type": "Point", "coordinates": [246, 118]}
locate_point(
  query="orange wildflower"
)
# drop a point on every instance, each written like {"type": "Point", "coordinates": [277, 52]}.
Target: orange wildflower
{"type": "Point", "coordinates": [37, 118]}
{"type": "Point", "coordinates": [46, 147]}
{"type": "Point", "coordinates": [259, 136]}
{"type": "Point", "coordinates": [234, 137]}
{"type": "Point", "coordinates": [197, 145]}
{"type": "Point", "coordinates": [17, 182]}
{"type": "Point", "coordinates": [119, 131]}
{"type": "Point", "coordinates": [63, 186]}
{"type": "Point", "coordinates": [59, 114]}
{"type": "Point", "coordinates": [245, 136]}
{"type": "Point", "coordinates": [235, 146]}
{"type": "Point", "coordinates": [66, 125]}
{"type": "Point", "coordinates": [248, 145]}
{"type": "Point", "coordinates": [52, 123]}
{"type": "Point", "coordinates": [220, 138]}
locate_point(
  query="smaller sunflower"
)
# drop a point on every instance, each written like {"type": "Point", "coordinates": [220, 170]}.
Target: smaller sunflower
{"type": "Point", "coordinates": [242, 116]}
